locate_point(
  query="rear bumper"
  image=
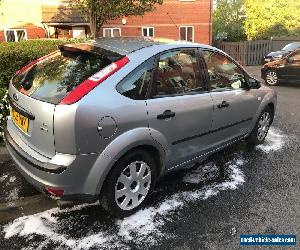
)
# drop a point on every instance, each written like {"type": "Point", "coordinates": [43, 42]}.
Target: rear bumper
{"type": "Point", "coordinates": [74, 179]}
{"type": "Point", "coordinates": [44, 166]}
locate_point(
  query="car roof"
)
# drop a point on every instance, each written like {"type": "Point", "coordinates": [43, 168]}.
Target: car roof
{"type": "Point", "coordinates": [127, 45]}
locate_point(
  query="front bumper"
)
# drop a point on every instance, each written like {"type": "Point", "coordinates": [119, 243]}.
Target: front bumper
{"type": "Point", "coordinates": [264, 72]}
{"type": "Point", "coordinates": [73, 179]}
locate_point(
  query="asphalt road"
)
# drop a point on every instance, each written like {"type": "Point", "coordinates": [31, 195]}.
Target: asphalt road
{"type": "Point", "coordinates": [241, 190]}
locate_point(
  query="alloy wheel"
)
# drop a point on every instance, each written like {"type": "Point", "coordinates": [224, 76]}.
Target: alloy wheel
{"type": "Point", "coordinates": [263, 126]}
{"type": "Point", "coordinates": [272, 78]}
{"type": "Point", "coordinates": [133, 185]}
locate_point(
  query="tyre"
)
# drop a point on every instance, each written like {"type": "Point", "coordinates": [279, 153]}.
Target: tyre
{"type": "Point", "coordinates": [261, 128]}
{"type": "Point", "coordinates": [271, 78]}
{"type": "Point", "coordinates": [129, 183]}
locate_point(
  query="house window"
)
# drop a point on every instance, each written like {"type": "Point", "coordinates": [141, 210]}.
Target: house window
{"type": "Point", "coordinates": [187, 33]}
{"type": "Point", "coordinates": [15, 35]}
{"type": "Point", "coordinates": [148, 31]}
{"type": "Point", "coordinates": [111, 32]}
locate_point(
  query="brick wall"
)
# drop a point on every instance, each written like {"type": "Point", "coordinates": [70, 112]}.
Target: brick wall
{"type": "Point", "coordinates": [35, 32]}
{"type": "Point", "coordinates": [167, 19]}
{"type": "Point", "coordinates": [2, 37]}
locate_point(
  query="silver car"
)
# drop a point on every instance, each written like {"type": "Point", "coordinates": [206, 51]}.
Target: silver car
{"type": "Point", "coordinates": [106, 119]}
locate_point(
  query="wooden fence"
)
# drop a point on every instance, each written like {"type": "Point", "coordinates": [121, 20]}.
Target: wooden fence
{"type": "Point", "coordinates": [253, 52]}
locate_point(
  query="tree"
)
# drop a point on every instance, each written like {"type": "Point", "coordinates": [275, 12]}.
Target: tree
{"type": "Point", "coordinates": [228, 20]}
{"type": "Point", "coordinates": [267, 18]}
{"type": "Point", "coordinates": [100, 11]}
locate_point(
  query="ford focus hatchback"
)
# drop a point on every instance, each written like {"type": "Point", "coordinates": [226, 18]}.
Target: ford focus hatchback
{"type": "Point", "coordinates": [106, 119]}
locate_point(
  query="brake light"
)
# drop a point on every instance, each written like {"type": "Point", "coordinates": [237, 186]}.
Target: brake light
{"type": "Point", "coordinates": [33, 63]}
{"type": "Point", "coordinates": [85, 87]}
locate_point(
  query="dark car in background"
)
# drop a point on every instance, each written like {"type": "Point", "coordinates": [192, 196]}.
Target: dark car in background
{"type": "Point", "coordinates": [286, 69]}
{"type": "Point", "coordinates": [277, 55]}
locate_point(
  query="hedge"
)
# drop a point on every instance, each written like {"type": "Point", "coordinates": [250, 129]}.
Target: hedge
{"type": "Point", "coordinates": [14, 56]}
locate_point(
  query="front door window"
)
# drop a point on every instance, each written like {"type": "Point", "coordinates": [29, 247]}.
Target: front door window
{"type": "Point", "coordinates": [222, 72]}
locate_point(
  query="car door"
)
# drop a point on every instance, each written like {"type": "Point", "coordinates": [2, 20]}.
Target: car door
{"type": "Point", "coordinates": [234, 105]}
{"type": "Point", "coordinates": [290, 70]}
{"type": "Point", "coordinates": [179, 106]}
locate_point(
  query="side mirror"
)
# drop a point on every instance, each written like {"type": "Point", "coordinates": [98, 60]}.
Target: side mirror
{"type": "Point", "coordinates": [290, 59]}
{"type": "Point", "coordinates": [253, 83]}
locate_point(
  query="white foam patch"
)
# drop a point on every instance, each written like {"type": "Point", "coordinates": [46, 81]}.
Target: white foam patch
{"type": "Point", "coordinates": [12, 179]}
{"type": "Point", "coordinates": [3, 177]}
{"type": "Point", "coordinates": [28, 225]}
{"type": "Point", "coordinates": [12, 195]}
{"type": "Point", "coordinates": [144, 227]}
{"type": "Point", "coordinates": [275, 141]}
{"type": "Point", "coordinates": [45, 224]}
{"type": "Point", "coordinates": [146, 223]}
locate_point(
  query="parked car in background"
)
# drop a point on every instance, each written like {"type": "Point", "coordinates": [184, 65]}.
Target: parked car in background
{"type": "Point", "coordinates": [277, 55]}
{"type": "Point", "coordinates": [106, 119]}
{"type": "Point", "coordinates": [286, 69]}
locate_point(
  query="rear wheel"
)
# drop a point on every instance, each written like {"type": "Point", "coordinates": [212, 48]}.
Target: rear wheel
{"type": "Point", "coordinates": [129, 183]}
{"type": "Point", "coordinates": [272, 78]}
{"type": "Point", "coordinates": [261, 128]}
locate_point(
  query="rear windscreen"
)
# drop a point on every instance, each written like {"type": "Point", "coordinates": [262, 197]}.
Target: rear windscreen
{"type": "Point", "coordinates": [51, 79]}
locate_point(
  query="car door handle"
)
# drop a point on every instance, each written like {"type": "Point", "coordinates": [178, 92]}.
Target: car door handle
{"type": "Point", "coordinates": [165, 115]}
{"type": "Point", "coordinates": [224, 104]}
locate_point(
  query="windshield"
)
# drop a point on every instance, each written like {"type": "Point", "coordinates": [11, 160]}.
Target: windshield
{"type": "Point", "coordinates": [52, 78]}
{"type": "Point", "coordinates": [291, 46]}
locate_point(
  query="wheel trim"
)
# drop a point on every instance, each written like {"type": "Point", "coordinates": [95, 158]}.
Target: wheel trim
{"type": "Point", "coordinates": [272, 78]}
{"type": "Point", "coordinates": [133, 185]}
{"type": "Point", "coordinates": [263, 126]}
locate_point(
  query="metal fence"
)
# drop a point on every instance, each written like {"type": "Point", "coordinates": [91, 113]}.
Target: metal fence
{"type": "Point", "coordinates": [253, 52]}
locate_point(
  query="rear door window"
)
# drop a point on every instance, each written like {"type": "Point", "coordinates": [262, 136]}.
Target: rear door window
{"type": "Point", "coordinates": [52, 78]}
{"type": "Point", "coordinates": [135, 85]}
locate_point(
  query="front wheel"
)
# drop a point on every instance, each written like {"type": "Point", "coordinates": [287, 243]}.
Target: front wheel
{"type": "Point", "coordinates": [129, 183]}
{"type": "Point", "coordinates": [261, 128]}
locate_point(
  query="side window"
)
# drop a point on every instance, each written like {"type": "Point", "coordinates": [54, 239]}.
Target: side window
{"type": "Point", "coordinates": [223, 73]}
{"type": "Point", "coordinates": [296, 55]}
{"type": "Point", "coordinates": [135, 84]}
{"type": "Point", "coordinates": [177, 73]}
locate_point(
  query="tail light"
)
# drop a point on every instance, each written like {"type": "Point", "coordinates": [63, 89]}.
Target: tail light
{"type": "Point", "coordinates": [85, 87]}
{"type": "Point", "coordinates": [34, 62]}
{"type": "Point", "coordinates": [55, 192]}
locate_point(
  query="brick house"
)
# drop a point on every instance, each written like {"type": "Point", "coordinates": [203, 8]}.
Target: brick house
{"type": "Point", "coordinates": [179, 20]}
{"type": "Point", "coordinates": [176, 19]}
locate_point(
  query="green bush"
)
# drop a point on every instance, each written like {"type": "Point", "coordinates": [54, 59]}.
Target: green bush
{"type": "Point", "coordinates": [14, 56]}
{"type": "Point", "coordinates": [4, 111]}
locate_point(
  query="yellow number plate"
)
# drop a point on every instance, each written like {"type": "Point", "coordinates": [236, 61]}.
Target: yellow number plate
{"type": "Point", "coordinates": [20, 120]}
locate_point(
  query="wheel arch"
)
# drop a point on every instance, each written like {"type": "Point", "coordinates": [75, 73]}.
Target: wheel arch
{"type": "Point", "coordinates": [118, 148]}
